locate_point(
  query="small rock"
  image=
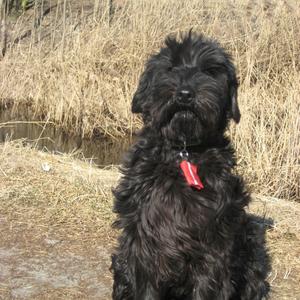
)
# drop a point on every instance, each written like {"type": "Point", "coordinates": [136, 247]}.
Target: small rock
{"type": "Point", "coordinates": [46, 167]}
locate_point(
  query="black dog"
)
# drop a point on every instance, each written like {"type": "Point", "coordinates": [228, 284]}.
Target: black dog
{"type": "Point", "coordinates": [185, 233]}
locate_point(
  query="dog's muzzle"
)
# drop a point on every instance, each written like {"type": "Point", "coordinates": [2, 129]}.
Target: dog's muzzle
{"type": "Point", "coordinates": [185, 96]}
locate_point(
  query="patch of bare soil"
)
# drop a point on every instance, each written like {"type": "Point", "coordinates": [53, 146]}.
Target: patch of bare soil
{"type": "Point", "coordinates": [37, 264]}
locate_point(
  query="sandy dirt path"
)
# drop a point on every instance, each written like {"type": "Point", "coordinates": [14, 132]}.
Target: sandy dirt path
{"type": "Point", "coordinates": [46, 265]}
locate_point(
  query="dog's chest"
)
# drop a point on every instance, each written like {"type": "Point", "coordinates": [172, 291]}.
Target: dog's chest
{"type": "Point", "coordinates": [172, 203]}
{"type": "Point", "coordinates": [175, 220]}
{"type": "Point", "coordinates": [166, 207]}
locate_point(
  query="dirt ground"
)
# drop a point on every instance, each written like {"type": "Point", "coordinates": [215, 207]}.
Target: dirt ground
{"type": "Point", "coordinates": [55, 235]}
{"type": "Point", "coordinates": [36, 265]}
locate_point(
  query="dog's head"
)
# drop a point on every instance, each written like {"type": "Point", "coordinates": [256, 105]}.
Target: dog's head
{"type": "Point", "coordinates": [188, 90]}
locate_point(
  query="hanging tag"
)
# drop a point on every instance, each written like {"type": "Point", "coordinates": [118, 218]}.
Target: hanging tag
{"type": "Point", "coordinates": [191, 175]}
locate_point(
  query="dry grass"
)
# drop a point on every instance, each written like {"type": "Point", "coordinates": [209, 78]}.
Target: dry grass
{"type": "Point", "coordinates": [72, 194]}
{"type": "Point", "coordinates": [283, 241]}
{"type": "Point", "coordinates": [73, 200]}
{"type": "Point", "coordinates": [79, 69]}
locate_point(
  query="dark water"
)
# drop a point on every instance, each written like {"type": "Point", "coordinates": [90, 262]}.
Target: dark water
{"type": "Point", "coordinates": [102, 151]}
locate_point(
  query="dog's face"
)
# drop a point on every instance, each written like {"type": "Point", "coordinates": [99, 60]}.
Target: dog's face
{"type": "Point", "coordinates": [188, 90]}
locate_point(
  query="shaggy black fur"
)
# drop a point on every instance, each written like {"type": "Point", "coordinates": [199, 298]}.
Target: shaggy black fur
{"type": "Point", "coordinates": [178, 242]}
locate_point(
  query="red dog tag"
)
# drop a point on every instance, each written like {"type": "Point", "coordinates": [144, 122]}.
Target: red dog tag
{"type": "Point", "coordinates": [191, 175]}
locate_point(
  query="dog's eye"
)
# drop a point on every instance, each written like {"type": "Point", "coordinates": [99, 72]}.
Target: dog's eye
{"type": "Point", "coordinates": [214, 70]}
{"type": "Point", "coordinates": [211, 71]}
{"type": "Point", "coordinates": [170, 69]}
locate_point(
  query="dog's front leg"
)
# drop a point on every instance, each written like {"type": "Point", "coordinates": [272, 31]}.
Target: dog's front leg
{"type": "Point", "coordinates": [207, 289]}
{"type": "Point", "coordinates": [123, 284]}
{"type": "Point", "coordinates": [130, 284]}
{"type": "Point", "coordinates": [145, 291]}
{"type": "Point", "coordinates": [201, 289]}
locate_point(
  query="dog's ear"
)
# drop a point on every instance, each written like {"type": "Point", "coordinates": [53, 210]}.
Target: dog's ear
{"type": "Point", "coordinates": [234, 111]}
{"type": "Point", "coordinates": [142, 94]}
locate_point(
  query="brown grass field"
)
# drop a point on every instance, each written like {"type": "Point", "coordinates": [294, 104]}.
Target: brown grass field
{"type": "Point", "coordinates": [77, 67]}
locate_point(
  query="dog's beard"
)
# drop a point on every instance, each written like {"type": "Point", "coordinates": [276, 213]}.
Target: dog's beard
{"type": "Point", "coordinates": [184, 126]}
{"type": "Point", "coordinates": [186, 123]}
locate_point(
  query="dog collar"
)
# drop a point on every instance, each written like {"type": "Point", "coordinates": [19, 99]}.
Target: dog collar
{"type": "Point", "coordinates": [179, 145]}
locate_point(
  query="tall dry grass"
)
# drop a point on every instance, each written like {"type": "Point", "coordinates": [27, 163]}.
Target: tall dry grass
{"type": "Point", "coordinates": [80, 66]}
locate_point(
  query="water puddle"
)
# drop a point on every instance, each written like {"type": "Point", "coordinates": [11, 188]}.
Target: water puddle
{"type": "Point", "coordinates": [102, 151]}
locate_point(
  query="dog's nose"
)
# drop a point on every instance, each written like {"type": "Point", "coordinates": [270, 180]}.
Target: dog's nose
{"type": "Point", "coordinates": [185, 96]}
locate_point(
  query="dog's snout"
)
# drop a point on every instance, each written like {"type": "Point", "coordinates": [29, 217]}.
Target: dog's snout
{"type": "Point", "coordinates": [185, 95]}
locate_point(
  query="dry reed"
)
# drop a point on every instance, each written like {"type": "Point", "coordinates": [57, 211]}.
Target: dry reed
{"type": "Point", "coordinates": [80, 65]}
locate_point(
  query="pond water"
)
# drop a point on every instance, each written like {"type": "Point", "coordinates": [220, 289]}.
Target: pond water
{"type": "Point", "coordinates": [102, 151]}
